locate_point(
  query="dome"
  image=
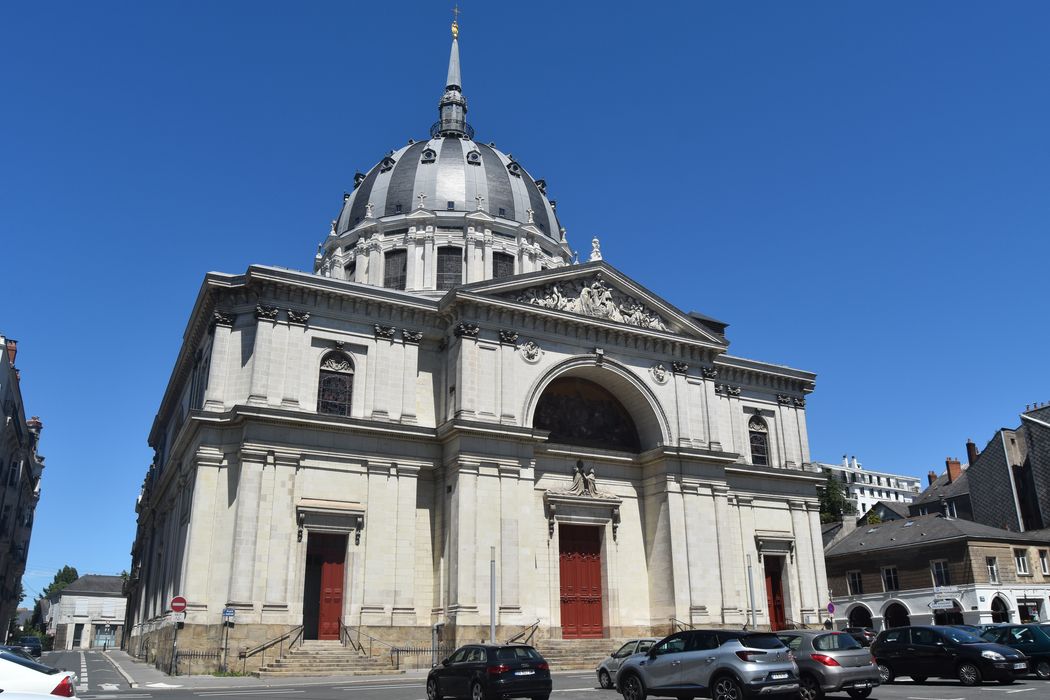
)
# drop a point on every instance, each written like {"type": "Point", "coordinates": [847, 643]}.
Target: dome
{"type": "Point", "coordinates": [451, 172]}
{"type": "Point", "coordinates": [442, 212]}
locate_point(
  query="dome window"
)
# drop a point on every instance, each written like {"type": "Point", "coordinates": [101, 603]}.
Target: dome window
{"type": "Point", "coordinates": [514, 169]}
{"type": "Point", "coordinates": [503, 212]}
{"type": "Point", "coordinates": [451, 205]}
{"type": "Point", "coordinates": [358, 179]}
{"type": "Point", "coordinates": [397, 208]}
{"type": "Point", "coordinates": [429, 156]}
{"type": "Point", "coordinates": [387, 164]}
{"type": "Point", "coordinates": [474, 158]}
{"type": "Point", "coordinates": [541, 185]}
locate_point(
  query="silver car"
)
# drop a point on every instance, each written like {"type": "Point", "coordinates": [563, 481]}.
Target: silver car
{"type": "Point", "coordinates": [611, 664]}
{"type": "Point", "coordinates": [721, 664]}
{"type": "Point", "coordinates": [831, 662]}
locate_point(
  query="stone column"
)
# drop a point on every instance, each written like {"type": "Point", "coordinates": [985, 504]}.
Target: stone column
{"type": "Point", "coordinates": [429, 259]}
{"type": "Point", "coordinates": [464, 556]}
{"type": "Point", "coordinates": [265, 319]}
{"type": "Point", "coordinates": [218, 367]}
{"type": "Point", "coordinates": [411, 340]}
{"type": "Point", "coordinates": [681, 393]}
{"type": "Point", "coordinates": [804, 554]}
{"type": "Point", "coordinates": [486, 270]}
{"type": "Point", "coordinates": [819, 571]}
{"type": "Point", "coordinates": [293, 366]}
{"type": "Point", "coordinates": [510, 519]}
{"type": "Point", "coordinates": [729, 547]}
{"type": "Point", "coordinates": [467, 369]}
{"type": "Point", "coordinates": [280, 526]}
{"type": "Point", "coordinates": [411, 269]}
{"type": "Point", "coordinates": [470, 244]}
{"type": "Point", "coordinates": [246, 533]}
{"type": "Point", "coordinates": [387, 374]}
{"type": "Point", "coordinates": [380, 551]}
{"type": "Point", "coordinates": [508, 394]}
{"type": "Point", "coordinates": [360, 262]}
{"type": "Point", "coordinates": [710, 408]}
{"type": "Point", "coordinates": [375, 261]}
{"type": "Point", "coordinates": [697, 554]}
{"type": "Point", "coordinates": [803, 435]}
{"type": "Point", "coordinates": [745, 512]}
{"type": "Point", "coordinates": [404, 609]}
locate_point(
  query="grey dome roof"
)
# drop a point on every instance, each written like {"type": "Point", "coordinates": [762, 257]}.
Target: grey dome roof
{"type": "Point", "coordinates": [454, 169]}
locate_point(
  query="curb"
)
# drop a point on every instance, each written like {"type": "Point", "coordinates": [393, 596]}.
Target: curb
{"type": "Point", "coordinates": [121, 671]}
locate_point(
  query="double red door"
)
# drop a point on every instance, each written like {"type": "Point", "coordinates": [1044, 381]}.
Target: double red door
{"type": "Point", "coordinates": [775, 593]}
{"type": "Point", "coordinates": [326, 555]}
{"type": "Point", "coordinates": [581, 581]}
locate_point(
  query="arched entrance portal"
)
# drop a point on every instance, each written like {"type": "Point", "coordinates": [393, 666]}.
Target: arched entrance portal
{"type": "Point", "coordinates": [860, 616]}
{"type": "Point", "coordinates": [1000, 610]}
{"type": "Point", "coordinates": [949, 617]}
{"type": "Point", "coordinates": [896, 615]}
{"type": "Point", "coordinates": [578, 411]}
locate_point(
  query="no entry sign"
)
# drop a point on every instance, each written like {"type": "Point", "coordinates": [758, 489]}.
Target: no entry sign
{"type": "Point", "coordinates": [178, 604]}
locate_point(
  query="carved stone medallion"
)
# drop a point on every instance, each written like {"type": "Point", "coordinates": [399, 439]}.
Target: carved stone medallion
{"type": "Point", "coordinates": [659, 373]}
{"type": "Point", "coordinates": [530, 351]}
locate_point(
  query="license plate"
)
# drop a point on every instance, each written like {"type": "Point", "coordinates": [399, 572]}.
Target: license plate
{"type": "Point", "coordinates": [779, 676]}
{"type": "Point", "coordinates": [862, 685]}
{"type": "Point", "coordinates": [1020, 667]}
{"type": "Point", "coordinates": [527, 672]}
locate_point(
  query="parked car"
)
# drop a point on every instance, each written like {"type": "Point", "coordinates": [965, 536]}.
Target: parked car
{"type": "Point", "coordinates": [21, 675]}
{"type": "Point", "coordinates": [480, 671]}
{"type": "Point", "coordinates": [17, 651]}
{"type": "Point", "coordinates": [864, 635]}
{"type": "Point", "coordinates": [722, 664]}
{"type": "Point", "coordinates": [944, 652]}
{"type": "Point", "coordinates": [830, 662]}
{"type": "Point", "coordinates": [1032, 640]}
{"type": "Point", "coordinates": [32, 645]}
{"type": "Point", "coordinates": [611, 664]}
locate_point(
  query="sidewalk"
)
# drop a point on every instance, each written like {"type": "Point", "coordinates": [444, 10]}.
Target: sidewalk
{"type": "Point", "coordinates": [143, 675]}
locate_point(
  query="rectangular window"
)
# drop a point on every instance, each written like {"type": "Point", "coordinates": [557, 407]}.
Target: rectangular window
{"type": "Point", "coordinates": [1044, 562]}
{"type": "Point", "coordinates": [502, 212]}
{"type": "Point", "coordinates": [941, 577]}
{"type": "Point", "coordinates": [502, 265]}
{"type": "Point", "coordinates": [394, 269]}
{"type": "Point", "coordinates": [890, 580]}
{"type": "Point", "coordinates": [450, 205]}
{"type": "Point", "coordinates": [349, 270]}
{"type": "Point", "coordinates": [1021, 561]}
{"type": "Point", "coordinates": [397, 208]}
{"type": "Point", "coordinates": [950, 510]}
{"type": "Point", "coordinates": [993, 569]}
{"type": "Point", "coordinates": [856, 584]}
{"type": "Point", "coordinates": [449, 267]}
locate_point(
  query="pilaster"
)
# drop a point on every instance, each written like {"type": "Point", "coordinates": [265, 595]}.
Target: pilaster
{"type": "Point", "coordinates": [218, 369]}
{"type": "Point", "coordinates": [262, 350]}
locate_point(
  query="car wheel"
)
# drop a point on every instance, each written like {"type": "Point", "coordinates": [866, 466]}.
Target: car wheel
{"type": "Point", "coordinates": [859, 693]}
{"type": "Point", "coordinates": [809, 689]}
{"type": "Point", "coordinates": [1042, 669]}
{"type": "Point", "coordinates": [632, 688]}
{"type": "Point", "coordinates": [432, 689]}
{"type": "Point", "coordinates": [726, 688]}
{"type": "Point", "coordinates": [919, 679]}
{"type": "Point", "coordinates": [604, 680]}
{"type": "Point", "coordinates": [969, 674]}
{"type": "Point", "coordinates": [885, 674]}
{"type": "Point", "coordinates": [476, 691]}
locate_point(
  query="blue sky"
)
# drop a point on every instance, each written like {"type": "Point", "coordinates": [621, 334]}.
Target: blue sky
{"type": "Point", "coordinates": [860, 189]}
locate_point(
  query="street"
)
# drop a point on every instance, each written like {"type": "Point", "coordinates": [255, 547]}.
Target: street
{"type": "Point", "coordinates": [99, 680]}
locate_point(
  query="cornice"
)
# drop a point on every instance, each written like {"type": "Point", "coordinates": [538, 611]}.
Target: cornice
{"type": "Point", "coordinates": [772, 473]}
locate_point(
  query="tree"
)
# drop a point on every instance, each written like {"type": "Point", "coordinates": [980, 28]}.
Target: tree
{"type": "Point", "coordinates": [874, 518]}
{"type": "Point", "coordinates": [65, 576]}
{"type": "Point", "coordinates": [833, 501]}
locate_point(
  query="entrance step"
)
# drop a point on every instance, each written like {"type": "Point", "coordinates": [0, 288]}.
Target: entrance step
{"type": "Point", "coordinates": [577, 654]}
{"type": "Point", "coordinates": [325, 658]}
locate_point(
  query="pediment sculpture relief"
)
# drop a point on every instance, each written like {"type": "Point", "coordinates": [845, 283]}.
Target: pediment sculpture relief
{"type": "Point", "coordinates": [593, 297]}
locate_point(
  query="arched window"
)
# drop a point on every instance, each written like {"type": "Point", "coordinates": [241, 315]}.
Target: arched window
{"type": "Point", "coordinates": [395, 268]}
{"type": "Point", "coordinates": [502, 265]}
{"type": "Point", "coordinates": [335, 384]}
{"type": "Point", "coordinates": [449, 267]}
{"type": "Point", "coordinates": [579, 412]}
{"type": "Point", "coordinates": [759, 433]}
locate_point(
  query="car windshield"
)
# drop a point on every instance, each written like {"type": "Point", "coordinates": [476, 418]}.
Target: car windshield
{"type": "Point", "coordinates": [961, 636]}
{"type": "Point", "coordinates": [28, 663]}
{"type": "Point", "coordinates": [761, 641]}
{"type": "Point", "coordinates": [835, 642]}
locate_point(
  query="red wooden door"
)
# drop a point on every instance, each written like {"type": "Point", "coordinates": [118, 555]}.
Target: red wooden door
{"type": "Point", "coordinates": [581, 581]}
{"type": "Point", "coordinates": [775, 595]}
{"type": "Point", "coordinates": [333, 558]}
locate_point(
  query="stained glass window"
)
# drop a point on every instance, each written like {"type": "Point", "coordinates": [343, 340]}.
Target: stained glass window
{"type": "Point", "coordinates": [450, 267]}
{"type": "Point", "coordinates": [759, 434]}
{"type": "Point", "coordinates": [394, 269]}
{"type": "Point", "coordinates": [335, 384]}
{"type": "Point", "coordinates": [502, 265]}
{"type": "Point", "coordinates": [580, 412]}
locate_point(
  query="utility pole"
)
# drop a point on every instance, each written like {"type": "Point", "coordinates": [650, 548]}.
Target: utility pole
{"type": "Point", "coordinates": [492, 594]}
{"type": "Point", "coordinates": [751, 588]}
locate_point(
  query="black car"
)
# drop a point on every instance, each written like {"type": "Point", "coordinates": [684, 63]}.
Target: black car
{"type": "Point", "coordinates": [944, 652]}
{"type": "Point", "coordinates": [491, 672]}
{"type": "Point", "coordinates": [32, 645]}
{"type": "Point", "coordinates": [1031, 640]}
{"type": "Point", "coordinates": [864, 635]}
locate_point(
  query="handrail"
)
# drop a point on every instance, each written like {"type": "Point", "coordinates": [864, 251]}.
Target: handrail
{"type": "Point", "coordinates": [680, 625]}
{"type": "Point", "coordinates": [295, 633]}
{"type": "Point", "coordinates": [347, 632]}
{"type": "Point", "coordinates": [525, 635]}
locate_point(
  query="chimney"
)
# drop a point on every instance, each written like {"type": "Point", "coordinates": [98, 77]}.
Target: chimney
{"type": "Point", "coordinates": [845, 462]}
{"type": "Point", "coordinates": [12, 350]}
{"type": "Point", "coordinates": [853, 462]}
{"type": "Point", "coordinates": [931, 477]}
{"type": "Point", "coordinates": [971, 452]}
{"type": "Point", "coordinates": [954, 468]}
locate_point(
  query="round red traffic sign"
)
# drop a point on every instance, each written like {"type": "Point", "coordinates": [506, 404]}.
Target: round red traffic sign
{"type": "Point", "coordinates": [178, 604]}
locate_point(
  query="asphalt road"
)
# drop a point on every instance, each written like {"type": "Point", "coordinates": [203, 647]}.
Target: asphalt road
{"type": "Point", "coordinates": [100, 681]}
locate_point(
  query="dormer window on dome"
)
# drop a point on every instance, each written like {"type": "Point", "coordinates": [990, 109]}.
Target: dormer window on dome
{"type": "Point", "coordinates": [387, 164]}
{"type": "Point", "coordinates": [358, 179]}
{"type": "Point", "coordinates": [474, 158]}
{"type": "Point", "coordinates": [514, 169]}
{"type": "Point", "coordinates": [429, 156]}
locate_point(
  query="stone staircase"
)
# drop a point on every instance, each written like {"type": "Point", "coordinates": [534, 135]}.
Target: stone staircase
{"type": "Point", "coordinates": [325, 658]}
{"type": "Point", "coordinates": [576, 654]}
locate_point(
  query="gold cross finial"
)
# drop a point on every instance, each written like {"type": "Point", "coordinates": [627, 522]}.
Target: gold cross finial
{"type": "Point", "coordinates": [455, 22]}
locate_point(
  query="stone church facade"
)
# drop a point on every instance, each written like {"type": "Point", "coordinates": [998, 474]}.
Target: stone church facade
{"type": "Point", "coordinates": [343, 449]}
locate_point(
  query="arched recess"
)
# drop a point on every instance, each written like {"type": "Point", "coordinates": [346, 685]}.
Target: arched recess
{"type": "Point", "coordinates": [860, 616]}
{"type": "Point", "coordinates": [636, 399]}
{"type": "Point", "coordinates": [1000, 609]}
{"type": "Point", "coordinates": [896, 614]}
{"type": "Point", "coordinates": [953, 616]}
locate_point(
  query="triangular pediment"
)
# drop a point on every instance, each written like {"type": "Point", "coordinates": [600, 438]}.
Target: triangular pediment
{"type": "Point", "coordinates": [595, 290]}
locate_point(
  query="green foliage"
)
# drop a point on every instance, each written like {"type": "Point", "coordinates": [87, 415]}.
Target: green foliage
{"type": "Point", "coordinates": [874, 518]}
{"type": "Point", "coordinates": [833, 501]}
{"type": "Point", "coordinates": [65, 576]}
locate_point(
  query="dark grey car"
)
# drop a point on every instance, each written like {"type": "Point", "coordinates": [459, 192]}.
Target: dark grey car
{"type": "Point", "coordinates": [831, 662]}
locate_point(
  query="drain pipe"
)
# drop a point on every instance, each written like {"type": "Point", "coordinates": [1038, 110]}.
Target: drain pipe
{"type": "Point", "coordinates": [492, 594]}
{"type": "Point", "coordinates": [751, 587]}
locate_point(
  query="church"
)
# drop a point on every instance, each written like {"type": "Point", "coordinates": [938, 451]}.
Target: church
{"type": "Point", "coordinates": [346, 449]}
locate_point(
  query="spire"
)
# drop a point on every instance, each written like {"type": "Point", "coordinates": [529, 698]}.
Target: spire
{"type": "Point", "coordinates": [452, 109]}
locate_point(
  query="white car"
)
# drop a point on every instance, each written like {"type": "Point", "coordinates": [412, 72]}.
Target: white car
{"type": "Point", "coordinates": [20, 675]}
